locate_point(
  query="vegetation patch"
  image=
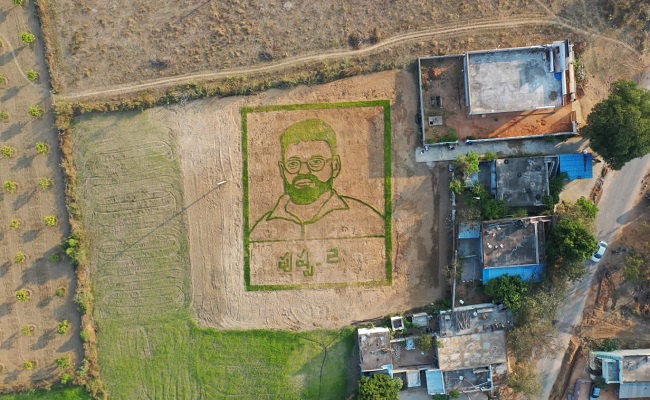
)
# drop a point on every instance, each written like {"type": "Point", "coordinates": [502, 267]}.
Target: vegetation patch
{"type": "Point", "coordinates": [277, 255]}
{"type": "Point", "coordinates": [147, 342]}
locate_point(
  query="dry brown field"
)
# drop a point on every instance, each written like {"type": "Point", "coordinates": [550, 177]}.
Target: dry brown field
{"type": "Point", "coordinates": [99, 44]}
{"type": "Point", "coordinates": [28, 329]}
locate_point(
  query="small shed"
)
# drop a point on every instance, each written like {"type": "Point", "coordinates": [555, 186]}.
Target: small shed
{"type": "Point", "coordinates": [420, 320]}
{"type": "Point", "coordinates": [435, 382]}
{"type": "Point", "coordinates": [577, 166]}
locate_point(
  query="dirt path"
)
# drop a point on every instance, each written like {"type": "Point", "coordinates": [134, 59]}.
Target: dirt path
{"type": "Point", "coordinates": [245, 71]}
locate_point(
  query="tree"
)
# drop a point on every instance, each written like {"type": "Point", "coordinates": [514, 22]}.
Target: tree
{"type": "Point", "coordinates": [10, 187]}
{"type": "Point", "coordinates": [35, 111]}
{"type": "Point", "coordinates": [7, 151]}
{"type": "Point", "coordinates": [456, 186]}
{"type": "Point", "coordinates": [27, 37]}
{"type": "Point", "coordinates": [525, 379]}
{"type": "Point", "coordinates": [32, 75]}
{"type": "Point", "coordinates": [588, 208]}
{"type": "Point", "coordinates": [570, 241]}
{"type": "Point", "coordinates": [379, 387]}
{"type": "Point", "coordinates": [22, 295]}
{"type": "Point", "coordinates": [619, 126]}
{"type": "Point", "coordinates": [508, 290]}
{"type": "Point", "coordinates": [467, 164]}
{"type": "Point", "coordinates": [42, 148]}
{"type": "Point", "coordinates": [494, 209]}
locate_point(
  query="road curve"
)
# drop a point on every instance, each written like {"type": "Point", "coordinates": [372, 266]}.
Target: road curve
{"type": "Point", "coordinates": [535, 19]}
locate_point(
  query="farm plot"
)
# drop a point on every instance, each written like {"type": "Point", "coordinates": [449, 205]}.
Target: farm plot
{"type": "Point", "coordinates": [209, 137]}
{"type": "Point", "coordinates": [132, 201]}
{"type": "Point", "coordinates": [37, 283]}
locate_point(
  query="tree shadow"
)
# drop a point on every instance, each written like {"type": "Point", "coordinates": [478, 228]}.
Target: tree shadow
{"type": "Point", "coordinates": [6, 309]}
{"type": "Point", "coordinates": [11, 131]}
{"type": "Point", "coordinates": [11, 376]}
{"type": "Point", "coordinates": [23, 199]}
{"type": "Point", "coordinates": [4, 267]}
{"type": "Point", "coordinates": [45, 302]}
{"type": "Point", "coordinates": [31, 235]}
{"type": "Point", "coordinates": [9, 93]}
{"type": "Point", "coordinates": [9, 343]}
{"type": "Point", "coordinates": [23, 162]}
{"type": "Point", "coordinates": [44, 339]}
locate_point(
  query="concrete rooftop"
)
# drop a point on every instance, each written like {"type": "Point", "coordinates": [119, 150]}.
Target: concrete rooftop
{"type": "Point", "coordinates": [472, 351]}
{"type": "Point", "coordinates": [513, 242]}
{"type": "Point", "coordinates": [512, 80]}
{"type": "Point", "coordinates": [374, 348]}
{"type": "Point", "coordinates": [487, 316]}
{"type": "Point", "coordinates": [636, 368]}
{"type": "Point", "coordinates": [523, 182]}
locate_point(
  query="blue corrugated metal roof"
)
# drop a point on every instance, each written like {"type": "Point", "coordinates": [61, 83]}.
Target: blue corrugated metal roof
{"type": "Point", "coordinates": [435, 382]}
{"type": "Point", "coordinates": [526, 272]}
{"type": "Point", "coordinates": [634, 390]}
{"type": "Point", "coordinates": [577, 166]}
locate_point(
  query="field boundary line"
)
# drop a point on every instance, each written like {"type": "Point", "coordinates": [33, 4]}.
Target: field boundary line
{"type": "Point", "coordinates": [323, 56]}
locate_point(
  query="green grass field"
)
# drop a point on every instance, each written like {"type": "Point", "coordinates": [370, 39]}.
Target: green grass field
{"type": "Point", "coordinates": [76, 393]}
{"type": "Point", "coordinates": [132, 205]}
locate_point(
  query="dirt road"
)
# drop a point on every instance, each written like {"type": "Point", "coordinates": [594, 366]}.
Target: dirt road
{"type": "Point", "coordinates": [322, 56]}
{"type": "Point", "coordinates": [620, 193]}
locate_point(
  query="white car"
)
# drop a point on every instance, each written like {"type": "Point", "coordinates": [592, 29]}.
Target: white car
{"type": "Point", "coordinates": [602, 246]}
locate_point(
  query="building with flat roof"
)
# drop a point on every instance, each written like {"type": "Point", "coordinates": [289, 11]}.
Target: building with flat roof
{"type": "Point", "coordinates": [517, 79]}
{"type": "Point", "coordinates": [514, 247]}
{"type": "Point", "coordinates": [524, 91]}
{"type": "Point", "coordinates": [374, 350]}
{"type": "Point", "coordinates": [629, 368]}
{"type": "Point", "coordinates": [472, 354]}
{"type": "Point", "coordinates": [523, 181]}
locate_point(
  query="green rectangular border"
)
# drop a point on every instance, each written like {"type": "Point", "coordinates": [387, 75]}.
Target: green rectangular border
{"type": "Point", "coordinates": [388, 212]}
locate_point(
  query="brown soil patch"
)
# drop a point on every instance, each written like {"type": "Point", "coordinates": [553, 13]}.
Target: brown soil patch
{"type": "Point", "coordinates": [101, 44]}
{"type": "Point", "coordinates": [621, 309]}
{"type": "Point", "coordinates": [209, 142]}
{"type": "Point", "coordinates": [39, 317]}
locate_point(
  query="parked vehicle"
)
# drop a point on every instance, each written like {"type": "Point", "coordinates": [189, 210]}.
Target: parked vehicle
{"type": "Point", "coordinates": [602, 246]}
{"type": "Point", "coordinates": [595, 390]}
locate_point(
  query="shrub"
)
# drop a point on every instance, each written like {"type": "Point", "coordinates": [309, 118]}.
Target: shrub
{"type": "Point", "coordinates": [4, 115]}
{"type": "Point", "coordinates": [27, 330]}
{"type": "Point", "coordinates": [426, 342]}
{"type": "Point", "coordinates": [494, 209]}
{"type": "Point", "coordinates": [456, 186]}
{"type": "Point", "coordinates": [27, 37]}
{"type": "Point", "coordinates": [22, 295]}
{"type": "Point", "coordinates": [7, 151]}
{"type": "Point", "coordinates": [490, 156]}
{"type": "Point", "coordinates": [15, 224]}
{"type": "Point", "coordinates": [35, 111]}
{"type": "Point", "coordinates": [608, 344]}
{"type": "Point", "coordinates": [3, 79]}
{"type": "Point", "coordinates": [20, 257]}
{"type": "Point", "coordinates": [29, 365]}
{"type": "Point", "coordinates": [10, 187]}
{"type": "Point", "coordinates": [66, 378]}
{"type": "Point", "coordinates": [60, 292]}
{"type": "Point", "coordinates": [56, 257]}
{"type": "Point", "coordinates": [51, 220]}
{"type": "Point", "coordinates": [63, 362]}
{"type": "Point", "coordinates": [84, 300]}
{"type": "Point", "coordinates": [84, 335]}
{"type": "Point", "coordinates": [64, 327]}
{"type": "Point", "coordinates": [380, 386]}
{"type": "Point", "coordinates": [42, 148]}
{"type": "Point", "coordinates": [508, 290]}
{"type": "Point", "coordinates": [45, 183]}
{"type": "Point", "coordinates": [73, 250]}
{"type": "Point", "coordinates": [32, 75]}
{"type": "Point", "coordinates": [19, 2]}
